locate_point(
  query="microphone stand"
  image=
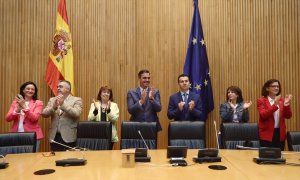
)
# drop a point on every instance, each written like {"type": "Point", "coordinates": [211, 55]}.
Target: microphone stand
{"type": "Point", "coordinates": [209, 155]}
{"type": "Point", "coordinates": [141, 154]}
{"type": "Point", "coordinates": [245, 147]}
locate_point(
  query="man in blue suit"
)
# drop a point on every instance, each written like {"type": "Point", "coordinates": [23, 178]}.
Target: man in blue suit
{"type": "Point", "coordinates": [185, 105]}
{"type": "Point", "coordinates": [144, 101]}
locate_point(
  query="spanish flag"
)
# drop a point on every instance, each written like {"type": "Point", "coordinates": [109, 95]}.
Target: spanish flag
{"type": "Point", "coordinates": [60, 62]}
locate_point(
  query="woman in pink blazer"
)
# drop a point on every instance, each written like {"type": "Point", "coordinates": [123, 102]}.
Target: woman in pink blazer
{"type": "Point", "coordinates": [273, 110]}
{"type": "Point", "coordinates": [25, 111]}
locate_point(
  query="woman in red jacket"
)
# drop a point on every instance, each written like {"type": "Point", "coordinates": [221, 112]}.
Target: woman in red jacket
{"type": "Point", "coordinates": [273, 109]}
{"type": "Point", "coordinates": [25, 111]}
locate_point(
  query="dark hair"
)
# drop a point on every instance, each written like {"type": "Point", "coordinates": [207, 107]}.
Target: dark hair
{"type": "Point", "coordinates": [23, 86]}
{"type": "Point", "coordinates": [68, 82]}
{"type": "Point", "coordinates": [182, 75]}
{"type": "Point", "coordinates": [237, 91]}
{"type": "Point", "coordinates": [103, 88]}
{"type": "Point", "coordinates": [142, 72]}
{"type": "Point", "coordinates": [267, 84]}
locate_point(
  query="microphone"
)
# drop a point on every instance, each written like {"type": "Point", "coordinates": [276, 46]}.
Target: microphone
{"type": "Point", "coordinates": [71, 161]}
{"type": "Point", "coordinates": [209, 154]}
{"type": "Point", "coordinates": [141, 154]}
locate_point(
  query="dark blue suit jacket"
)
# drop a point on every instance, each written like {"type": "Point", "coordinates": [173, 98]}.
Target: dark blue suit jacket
{"type": "Point", "coordinates": [148, 111]}
{"type": "Point", "coordinates": [185, 115]}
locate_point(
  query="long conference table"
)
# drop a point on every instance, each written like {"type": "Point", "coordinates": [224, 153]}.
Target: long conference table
{"type": "Point", "coordinates": [108, 165]}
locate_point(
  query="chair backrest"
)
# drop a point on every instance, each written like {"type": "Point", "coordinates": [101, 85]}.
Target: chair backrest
{"type": "Point", "coordinates": [130, 137]}
{"type": "Point", "coordinates": [13, 143]}
{"type": "Point", "coordinates": [187, 133]}
{"type": "Point", "coordinates": [243, 134]}
{"type": "Point", "coordinates": [94, 135]}
{"type": "Point", "coordinates": [293, 140]}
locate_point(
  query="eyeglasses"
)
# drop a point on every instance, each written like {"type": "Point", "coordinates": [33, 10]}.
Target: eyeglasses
{"type": "Point", "coordinates": [52, 153]}
{"type": "Point", "coordinates": [274, 86]}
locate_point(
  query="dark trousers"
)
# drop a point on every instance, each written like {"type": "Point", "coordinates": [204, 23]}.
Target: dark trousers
{"type": "Point", "coordinates": [275, 141]}
{"type": "Point", "coordinates": [58, 147]}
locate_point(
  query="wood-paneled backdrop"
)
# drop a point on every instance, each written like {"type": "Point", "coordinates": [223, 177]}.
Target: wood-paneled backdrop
{"type": "Point", "coordinates": [248, 42]}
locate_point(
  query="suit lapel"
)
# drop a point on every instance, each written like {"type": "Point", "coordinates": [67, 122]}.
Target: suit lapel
{"type": "Point", "coordinates": [179, 97]}
{"type": "Point", "coordinates": [138, 92]}
{"type": "Point", "coordinates": [31, 104]}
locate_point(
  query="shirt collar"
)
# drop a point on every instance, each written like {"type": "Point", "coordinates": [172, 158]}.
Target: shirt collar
{"type": "Point", "coordinates": [187, 92]}
{"type": "Point", "coordinates": [270, 99]}
{"type": "Point", "coordinates": [141, 89]}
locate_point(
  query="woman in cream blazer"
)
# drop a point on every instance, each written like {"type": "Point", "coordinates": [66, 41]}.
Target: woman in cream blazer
{"type": "Point", "coordinates": [105, 110]}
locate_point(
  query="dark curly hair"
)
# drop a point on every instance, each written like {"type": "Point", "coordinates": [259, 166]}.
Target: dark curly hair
{"type": "Point", "coordinates": [237, 91]}
{"type": "Point", "coordinates": [267, 84]}
{"type": "Point", "coordinates": [23, 86]}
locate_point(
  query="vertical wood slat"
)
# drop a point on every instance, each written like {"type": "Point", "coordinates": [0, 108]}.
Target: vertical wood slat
{"type": "Point", "coordinates": [247, 41]}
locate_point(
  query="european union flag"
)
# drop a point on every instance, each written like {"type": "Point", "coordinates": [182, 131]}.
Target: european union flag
{"type": "Point", "coordinates": [196, 64]}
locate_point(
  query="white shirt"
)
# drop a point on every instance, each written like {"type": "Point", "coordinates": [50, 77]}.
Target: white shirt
{"type": "Point", "coordinates": [235, 116]}
{"type": "Point", "coordinates": [275, 114]}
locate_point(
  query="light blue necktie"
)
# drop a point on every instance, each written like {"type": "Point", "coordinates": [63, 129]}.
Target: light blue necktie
{"type": "Point", "coordinates": [185, 98]}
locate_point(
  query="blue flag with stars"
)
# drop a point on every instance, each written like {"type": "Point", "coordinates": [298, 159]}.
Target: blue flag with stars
{"type": "Point", "coordinates": [196, 64]}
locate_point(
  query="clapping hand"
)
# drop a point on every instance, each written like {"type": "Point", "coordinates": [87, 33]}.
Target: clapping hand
{"type": "Point", "coordinates": [231, 104]}
{"type": "Point", "coordinates": [277, 99]}
{"type": "Point", "coordinates": [21, 102]}
{"type": "Point", "coordinates": [95, 104]}
{"type": "Point", "coordinates": [191, 105]}
{"type": "Point", "coordinates": [247, 104]}
{"type": "Point", "coordinates": [287, 99]}
{"type": "Point", "coordinates": [151, 93]}
{"type": "Point", "coordinates": [59, 99]}
{"type": "Point", "coordinates": [181, 105]}
{"type": "Point", "coordinates": [143, 96]}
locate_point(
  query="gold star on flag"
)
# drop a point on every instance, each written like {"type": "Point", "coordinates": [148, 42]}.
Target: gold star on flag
{"type": "Point", "coordinates": [194, 41]}
{"type": "Point", "coordinates": [205, 82]}
{"type": "Point", "coordinates": [198, 87]}
{"type": "Point", "coordinates": [202, 42]}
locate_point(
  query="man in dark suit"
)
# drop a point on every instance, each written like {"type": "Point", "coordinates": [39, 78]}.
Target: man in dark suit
{"type": "Point", "coordinates": [143, 102]}
{"type": "Point", "coordinates": [185, 105]}
{"type": "Point", "coordinates": [64, 110]}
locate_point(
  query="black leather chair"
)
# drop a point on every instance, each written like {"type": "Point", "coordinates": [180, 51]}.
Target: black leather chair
{"type": "Point", "coordinates": [187, 133]}
{"type": "Point", "coordinates": [13, 143]}
{"type": "Point", "coordinates": [130, 138]}
{"type": "Point", "coordinates": [293, 140]}
{"type": "Point", "coordinates": [94, 135]}
{"type": "Point", "coordinates": [243, 134]}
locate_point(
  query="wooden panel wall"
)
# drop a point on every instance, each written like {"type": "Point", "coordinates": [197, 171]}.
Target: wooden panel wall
{"type": "Point", "coordinates": [248, 42]}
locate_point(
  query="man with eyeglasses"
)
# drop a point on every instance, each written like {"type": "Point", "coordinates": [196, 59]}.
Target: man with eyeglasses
{"type": "Point", "coordinates": [64, 110]}
{"type": "Point", "coordinates": [143, 102]}
{"type": "Point", "coordinates": [185, 105]}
